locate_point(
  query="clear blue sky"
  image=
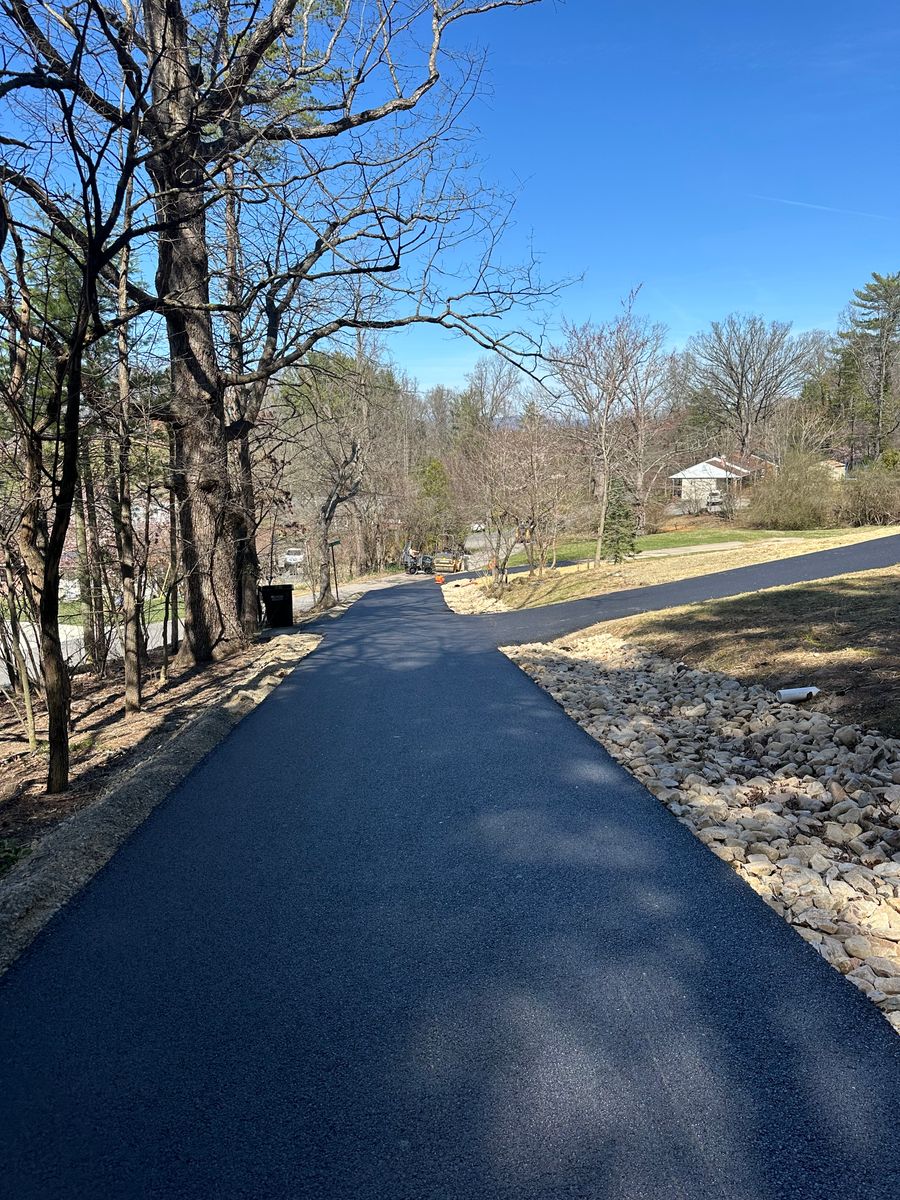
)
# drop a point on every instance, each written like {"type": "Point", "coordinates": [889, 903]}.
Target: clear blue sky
{"type": "Point", "coordinates": [726, 157]}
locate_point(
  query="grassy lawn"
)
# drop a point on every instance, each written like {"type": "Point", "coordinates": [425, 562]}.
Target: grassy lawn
{"type": "Point", "coordinates": [582, 546]}
{"type": "Point", "coordinates": [575, 582]}
{"type": "Point", "coordinates": [841, 635]}
{"type": "Point", "coordinates": [705, 537]}
{"type": "Point", "coordinates": [70, 611]}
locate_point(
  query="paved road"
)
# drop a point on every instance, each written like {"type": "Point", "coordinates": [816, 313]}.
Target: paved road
{"type": "Point", "coordinates": [72, 636]}
{"type": "Point", "coordinates": [555, 620]}
{"type": "Point", "coordinates": [410, 934]}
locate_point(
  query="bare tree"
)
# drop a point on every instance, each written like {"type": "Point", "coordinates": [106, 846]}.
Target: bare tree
{"type": "Point", "coordinates": [498, 486]}
{"type": "Point", "coordinates": [591, 367]}
{"type": "Point", "coordinates": [799, 427]}
{"type": "Point", "coordinates": [485, 465]}
{"type": "Point", "coordinates": [551, 486]}
{"type": "Point", "coordinates": [740, 368]}
{"type": "Point", "coordinates": [43, 394]}
{"type": "Point", "coordinates": [334, 400]}
{"type": "Point", "coordinates": [646, 447]}
{"type": "Point", "coordinates": [324, 130]}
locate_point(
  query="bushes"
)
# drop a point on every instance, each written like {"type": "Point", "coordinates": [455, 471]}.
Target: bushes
{"type": "Point", "coordinates": [871, 496]}
{"type": "Point", "coordinates": [655, 514]}
{"type": "Point", "coordinates": [801, 495]}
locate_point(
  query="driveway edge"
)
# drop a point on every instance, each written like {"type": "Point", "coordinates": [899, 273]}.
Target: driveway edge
{"type": "Point", "coordinates": [34, 890]}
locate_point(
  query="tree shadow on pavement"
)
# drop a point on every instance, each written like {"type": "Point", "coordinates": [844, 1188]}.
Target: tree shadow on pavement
{"type": "Point", "coordinates": [410, 934]}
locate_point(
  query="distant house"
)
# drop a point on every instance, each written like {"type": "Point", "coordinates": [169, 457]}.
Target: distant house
{"type": "Point", "coordinates": [835, 468]}
{"type": "Point", "coordinates": [708, 480]}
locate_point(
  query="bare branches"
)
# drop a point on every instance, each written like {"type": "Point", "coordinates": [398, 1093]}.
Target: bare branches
{"type": "Point", "coordinates": [293, 173]}
{"type": "Point", "coordinates": [742, 367]}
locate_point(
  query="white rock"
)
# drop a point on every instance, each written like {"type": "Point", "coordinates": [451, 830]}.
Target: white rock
{"type": "Point", "coordinates": [858, 947]}
{"type": "Point", "coordinates": [883, 966]}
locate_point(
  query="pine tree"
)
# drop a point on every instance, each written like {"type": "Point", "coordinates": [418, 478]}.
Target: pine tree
{"type": "Point", "coordinates": [872, 342]}
{"type": "Point", "coordinates": [620, 527]}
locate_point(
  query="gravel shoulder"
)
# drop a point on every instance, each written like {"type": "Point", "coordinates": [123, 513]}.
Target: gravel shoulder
{"type": "Point", "coordinates": [841, 635]}
{"type": "Point", "coordinates": [580, 581]}
{"type": "Point", "coordinates": [804, 806]}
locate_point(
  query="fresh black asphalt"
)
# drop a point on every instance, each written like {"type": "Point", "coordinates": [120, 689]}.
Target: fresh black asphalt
{"type": "Point", "coordinates": [410, 934]}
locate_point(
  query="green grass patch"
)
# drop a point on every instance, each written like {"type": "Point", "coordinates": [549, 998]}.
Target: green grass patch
{"type": "Point", "coordinates": [582, 547]}
{"type": "Point", "coordinates": [705, 537]}
{"type": "Point", "coordinates": [10, 853]}
{"type": "Point", "coordinates": [71, 612]}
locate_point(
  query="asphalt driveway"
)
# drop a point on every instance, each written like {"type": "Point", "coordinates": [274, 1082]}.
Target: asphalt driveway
{"type": "Point", "coordinates": [410, 934]}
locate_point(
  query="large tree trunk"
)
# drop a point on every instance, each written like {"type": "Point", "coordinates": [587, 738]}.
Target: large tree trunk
{"type": "Point", "coordinates": [242, 409]}
{"type": "Point", "coordinates": [326, 598]}
{"type": "Point", "coordinates": [207, 505]}
{"type": "Point", "coordinates": [248, 557]}
{"type": "Point", "coordinates": [208, 514]}
{"type": "Point", "coordinates": [601, 492]}
{"type": "Point", "coordinates": [208, 545]}
{"type": "Point", "coordinates": [172, 593]}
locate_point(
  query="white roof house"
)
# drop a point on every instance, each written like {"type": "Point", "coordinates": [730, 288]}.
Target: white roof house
{"type": "Point", "coordinates": [701, 481]}
{"type": "Point", "coordinates": [711, 470]}
{"type": "Point", "coordinates": [726, 468]}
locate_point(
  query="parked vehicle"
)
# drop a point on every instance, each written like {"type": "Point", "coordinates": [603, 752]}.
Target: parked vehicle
{"type": "Point", "coordinates": [413, 561]}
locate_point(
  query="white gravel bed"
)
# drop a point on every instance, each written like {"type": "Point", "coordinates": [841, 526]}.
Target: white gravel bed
{"type": "Point", "coordinates": [467, 596]}
{"type": "Point", "coordinates": [804, 808]}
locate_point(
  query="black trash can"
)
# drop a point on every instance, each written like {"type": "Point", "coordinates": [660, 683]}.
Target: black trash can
{"type": "Point", "coordinates": [278, 601]}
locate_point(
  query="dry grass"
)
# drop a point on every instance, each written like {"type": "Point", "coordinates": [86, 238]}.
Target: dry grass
{"type": "Point", "coordinates": [841, 635]}
{"type": "Point", "coordinates": [577, 582]}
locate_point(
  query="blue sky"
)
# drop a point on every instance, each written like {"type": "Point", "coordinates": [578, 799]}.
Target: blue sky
{"type": "Point", "coordinates": [725, 157]}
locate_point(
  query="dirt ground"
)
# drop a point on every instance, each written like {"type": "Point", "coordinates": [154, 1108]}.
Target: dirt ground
{"type": "Point", "coordinates": [103, 741]}
{"type": "Point", "coordinates": [576, 582]}
{"type": "Point", "coordinates": [841, 635]}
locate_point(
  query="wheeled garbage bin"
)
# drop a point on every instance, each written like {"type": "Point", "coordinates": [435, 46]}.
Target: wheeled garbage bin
{"type": "Point", "coordinates": [278, 601]}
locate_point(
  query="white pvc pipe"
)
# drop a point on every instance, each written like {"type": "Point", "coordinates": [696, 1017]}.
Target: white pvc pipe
{"type": "Point", "coordinates": [796, 694]}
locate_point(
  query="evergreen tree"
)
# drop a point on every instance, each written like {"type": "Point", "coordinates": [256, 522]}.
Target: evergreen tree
{"type": "Point", "coordinates": [620, 527]}
{"type": "Point", "coordinates": [872, 341]}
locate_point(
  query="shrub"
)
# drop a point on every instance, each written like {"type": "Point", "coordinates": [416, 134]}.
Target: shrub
{"type": "Point", "coordinates": [655, 514]}
{"type": "Point", "coordinates": [801, 494]}
{"type": "Point", "coordinates": [871, 496]}
{"type": "Point", "coordinates": [620, 527]}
